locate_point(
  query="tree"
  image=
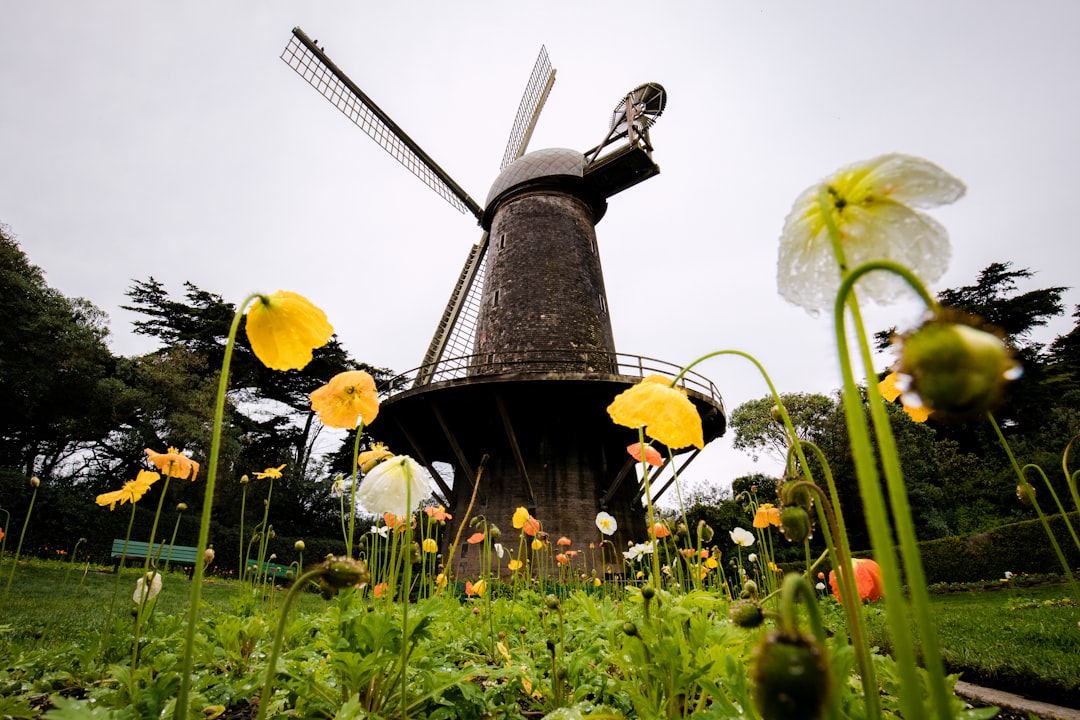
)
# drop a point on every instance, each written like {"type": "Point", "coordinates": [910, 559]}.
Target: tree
{"type": "Point", "coordinates": [57, 383]}
{"type": "Point", "coordinates": [758, 431]}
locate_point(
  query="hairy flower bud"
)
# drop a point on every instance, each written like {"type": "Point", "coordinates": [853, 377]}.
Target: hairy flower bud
{"type": "Point", "coordinates": [794, 492]}
{"type": "Point", "coordinates": [791, 677]}
{"type": "Point", "coordinates": [956, 369]}
{"type": "Point", "coordinates": [795, 523]}
{"type": "Point", "coordinates": [340, 572]}
{"type": "Point", "coordinates": [746, 613]}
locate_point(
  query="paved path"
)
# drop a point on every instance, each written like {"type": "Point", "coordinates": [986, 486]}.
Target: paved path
{"type": "Point", "coordinates": [1016, 703]}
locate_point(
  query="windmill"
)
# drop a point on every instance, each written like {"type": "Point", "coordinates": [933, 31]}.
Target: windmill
{"type": "Point", "coordinates": [522, 364]}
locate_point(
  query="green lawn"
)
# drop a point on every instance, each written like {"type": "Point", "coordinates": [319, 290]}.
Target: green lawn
{"type": "Point", "coordinates": [1024, 640]}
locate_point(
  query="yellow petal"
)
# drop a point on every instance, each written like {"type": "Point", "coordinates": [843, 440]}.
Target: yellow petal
{"type": "Point", "coordinates": [521, 516]}
{"type": "Point", "coordinates": [284, 328]}
{"type": "Point", "coordinates": [348, 397]}
{"type": "Point", "coordinates": [664, 411]}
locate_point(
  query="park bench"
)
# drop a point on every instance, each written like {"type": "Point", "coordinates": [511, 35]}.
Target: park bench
{"type": "Point", "coordinates": [274, 570]}
{"type": "Point", "coordinates": [165, 554]}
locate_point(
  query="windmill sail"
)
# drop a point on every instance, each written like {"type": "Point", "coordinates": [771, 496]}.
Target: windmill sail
{"type": "Point", "coordinates": [456, 333]}
{"type": "Point", "coordinates": [532, 102]}
{"type": "Point", "coordinates": [312, 64]}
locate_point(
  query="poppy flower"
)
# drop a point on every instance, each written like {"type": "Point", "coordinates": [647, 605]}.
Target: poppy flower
{"type": "Point", "coordinates": [475, 538]}
{"type": "Point", "coordinates": [867, 580]}
{"type": "Point", "coordinates": [476, 588]}
{"type": "Point", "coordinates": [173, 463]}
{"type": "Point", "coordinates": [514, 565]}
{"type": "Point", "coordinates": [767, 514]}
{"type": "Point", "coordinates": [132, 491]}
{"type": "Point", "coordinates": [660, 530]}
{"type": "Point", "coordinates": [272, 473]}
{"type": "Point", "coordinates": [572, 554]}
{"type": "Point", "coordinates": [562, 559]}
{"type": "Point", "coordinates": [347, 398]}
{"type": "Point", "coordinates": [650, 454]}
{"type": "Point", "coordinates": [564, 541]}
{"type": "Point", "coordinates": [284, 329]}
{"type": "Point", "coordinates": [398, 485]}
{"type": "Point", "coordinates": [742, 537]}
{"type": "Point", "coordinates": [438, 514]}
{"type": "Point", "coordinates": [872, 206]}
{"type": "Point", "coordinates": [521, 516]}
{"type": "Point", "coordinates": [430, 546]}
{"type": "Point", "coordinates": [664, 411]}
{"type": "Point", "coordinates": [147, 588]}
{"type": "Point", "coordinates": [889, 390]}
{"type": "Point", "coordinates": [380, 590]}
{"type": "Point", "coordinates": [606, 523]}
{"type": "Point", "coordinates": [537, 544]}
{"type": "Point", "coordinates": [370, 458]}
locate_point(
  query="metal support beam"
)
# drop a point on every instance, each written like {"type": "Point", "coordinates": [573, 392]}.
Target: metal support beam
{"type": "Point", "coordinates": [448, 494]}
{"type": "Point", "coordinates": [674, 476]}
{"type": "Point", "coordinates": [462, 462]}
{"type": "Point", "coordinates": [508, 427]}
{"type": "Point", "coordinates": [623, 472]}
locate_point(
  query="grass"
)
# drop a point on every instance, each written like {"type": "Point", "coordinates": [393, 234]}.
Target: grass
{"type": "Point", "coordinates": [51, 603]}
{"type": "Point", "coordinates": [1022, 640]}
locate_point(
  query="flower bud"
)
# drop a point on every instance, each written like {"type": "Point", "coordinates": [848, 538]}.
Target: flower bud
{"type": "Point", "coordinates": [749, 590]}
{"type": "Point", "coordinates": [299, 545]}
{"type": "Point", "coordinates": [181, 507]}
{"type": "Point", "coordinates": [648, 592]}
{"type": "Point", "coordinates": [35, 481]}
{"type": "Point", "coordinates": [746, 614]}
{"type": "Point", "coordinates": [342, 572]}
{"type": "Point", "coordinates": [552, 602]}
{"type": "Point", "coordinates": [494, 532]}
{"type": "Point", "coordinates": [630, 629]}
{"type": "Point", "coordinates": [956, 369]}
{"type": "Point", "coordinates": [795, 493]}
{"type": "Point", "coordinates": [1026, 493]}
{"type": "Point", "coordinates": [704, 531]}
{"type": "Point", "coordinates": [795, 523]}
{"type": "Point", "coordinates": [244, 479]}
{"type": "Point", "coordinates": [791, 677]}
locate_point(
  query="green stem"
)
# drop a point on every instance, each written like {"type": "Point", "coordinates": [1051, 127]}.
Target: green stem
{"type": "Point", "coordinates": [275, 648]}
{"type": "Point", "coordinates": [654, 555]}
{"type": "Point", "coordinates": [875, 510]}
{"type": "Point", "coordinates": [18, 548]}
{"type": "Point", "coordinates": [355, 472]}
{"type": "Point", "coordinates": [1038, 510]}
{"type": "Point", "coordinates": [1070, 480]}
{"type": "Point", "coordinates": [1057, 501]}
{"type": "Point", "coordinates": [182, 700]}
{"type": "Point", "coordinates": [243, 555]}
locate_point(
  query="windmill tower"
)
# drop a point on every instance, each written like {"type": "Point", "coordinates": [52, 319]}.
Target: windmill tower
{"type": "Point", "coordinates": [523, 364]}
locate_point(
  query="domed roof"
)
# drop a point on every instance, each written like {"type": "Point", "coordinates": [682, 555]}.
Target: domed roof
{"type": "Point", "coordinates": [540, 163]}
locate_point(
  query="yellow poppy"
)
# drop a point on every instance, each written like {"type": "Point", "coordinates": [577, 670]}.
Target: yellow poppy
{"type": "Point", "coordinates": [514, 565]}
{"type": "Point", "coordinates": [272, 473]}
{"type": "Point", "coordinates": [132, 491]}
{"type": "Point", "coordinates": [430, 546]}
{"type": "Point", "coordinates": [521, 516]}
{"type": "Point", "coordinates": [888, 389]}
{"type": "Point", "coordinates": [284, 328]}
{"type": "Point", "coordinates": [173, 463]}
{"type": "Point", "coordinates": [537, 544]}
{"type": "Point", "coordinates": [370, 458]}
{"type": "Point", "coordinates": [440, 579]}
{"type": "Point", "coordinates": [872, 206]}
{"type": "Point", "coordinates": [348, 397]}
{"type": "Point", "coordinates": [767, 515]}
{"type": "Point", "coordinates": [665, 412]}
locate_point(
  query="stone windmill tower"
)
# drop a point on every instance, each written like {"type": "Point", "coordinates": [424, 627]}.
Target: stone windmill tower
{"type": "Point", "coordinates": [523, 363]}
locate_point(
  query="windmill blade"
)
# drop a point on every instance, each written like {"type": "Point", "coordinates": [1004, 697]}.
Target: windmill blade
{"type": "Point", "coordinates": [532, 102]}
{"type": "Point", "coordinates": [456, 334]}
{"type": "Point", "coordinates": [312, 64]}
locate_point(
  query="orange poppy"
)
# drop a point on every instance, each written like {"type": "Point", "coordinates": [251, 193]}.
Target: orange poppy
{"type": "Point", "coordinates": [867, 580]}
{"type": "Point", "coordinates": [767, 515]}
{"type": "Point", "coordinates": [651, 455]}
{"type": "Point", "coordinates": [562, 559]}
{"type": "Point", "coordinates": [475, 538]}
{"type": "Point", "coordinates": [531, 526]}
{"type": "Point", "coordinates": [660, 530]}
{"type": "Point", "coordinates": [564, 541]}
{"type": "Point", "coordinates": [173, 463]}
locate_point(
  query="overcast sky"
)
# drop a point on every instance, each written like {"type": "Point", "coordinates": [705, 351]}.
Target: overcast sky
{"type": "Point", "coordinates": [168, 139]}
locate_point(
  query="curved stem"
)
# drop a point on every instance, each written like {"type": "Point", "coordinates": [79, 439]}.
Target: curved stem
{"type": "Point", "coordinates": [275, 648]}
{"type": "Point", "coordinates": [355, 474]}
{"type": "Point", "coordinates": [874, 504]}
{"type": "Point", "coordinates": [1053, 494]}
{"type": "Point", "coordinates": [18, 548]}
{"type": "Point", "coordinates": [204, 524]}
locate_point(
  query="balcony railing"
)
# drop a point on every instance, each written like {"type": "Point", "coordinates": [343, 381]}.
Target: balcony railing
{"type": "Point", "coordinates": [547, 362]}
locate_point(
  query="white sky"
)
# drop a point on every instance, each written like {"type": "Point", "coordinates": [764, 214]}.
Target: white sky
{"type": "Point", "coordinates": [168, 139]}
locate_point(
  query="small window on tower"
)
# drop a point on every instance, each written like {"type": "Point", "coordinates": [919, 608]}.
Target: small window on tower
{"type": "Point", "coordinates": [603, 303]}
{"type": "Point", "coordinates": [502, 241]}
{"type": "Point", "coordinates": [495, 301]}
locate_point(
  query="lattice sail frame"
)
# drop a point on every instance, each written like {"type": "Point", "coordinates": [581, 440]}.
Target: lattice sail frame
{"type": "Point", "coordinates": [305, 57]}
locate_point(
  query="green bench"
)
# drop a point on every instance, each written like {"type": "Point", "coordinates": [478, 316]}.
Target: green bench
{"type": "Point", "coordinates": [163, 553]}
{"type": "Point", "coordinates": [274, 570]}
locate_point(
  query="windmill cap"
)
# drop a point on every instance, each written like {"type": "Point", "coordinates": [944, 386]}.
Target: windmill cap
{"type": "Point", "coordinates": [551, 162]}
